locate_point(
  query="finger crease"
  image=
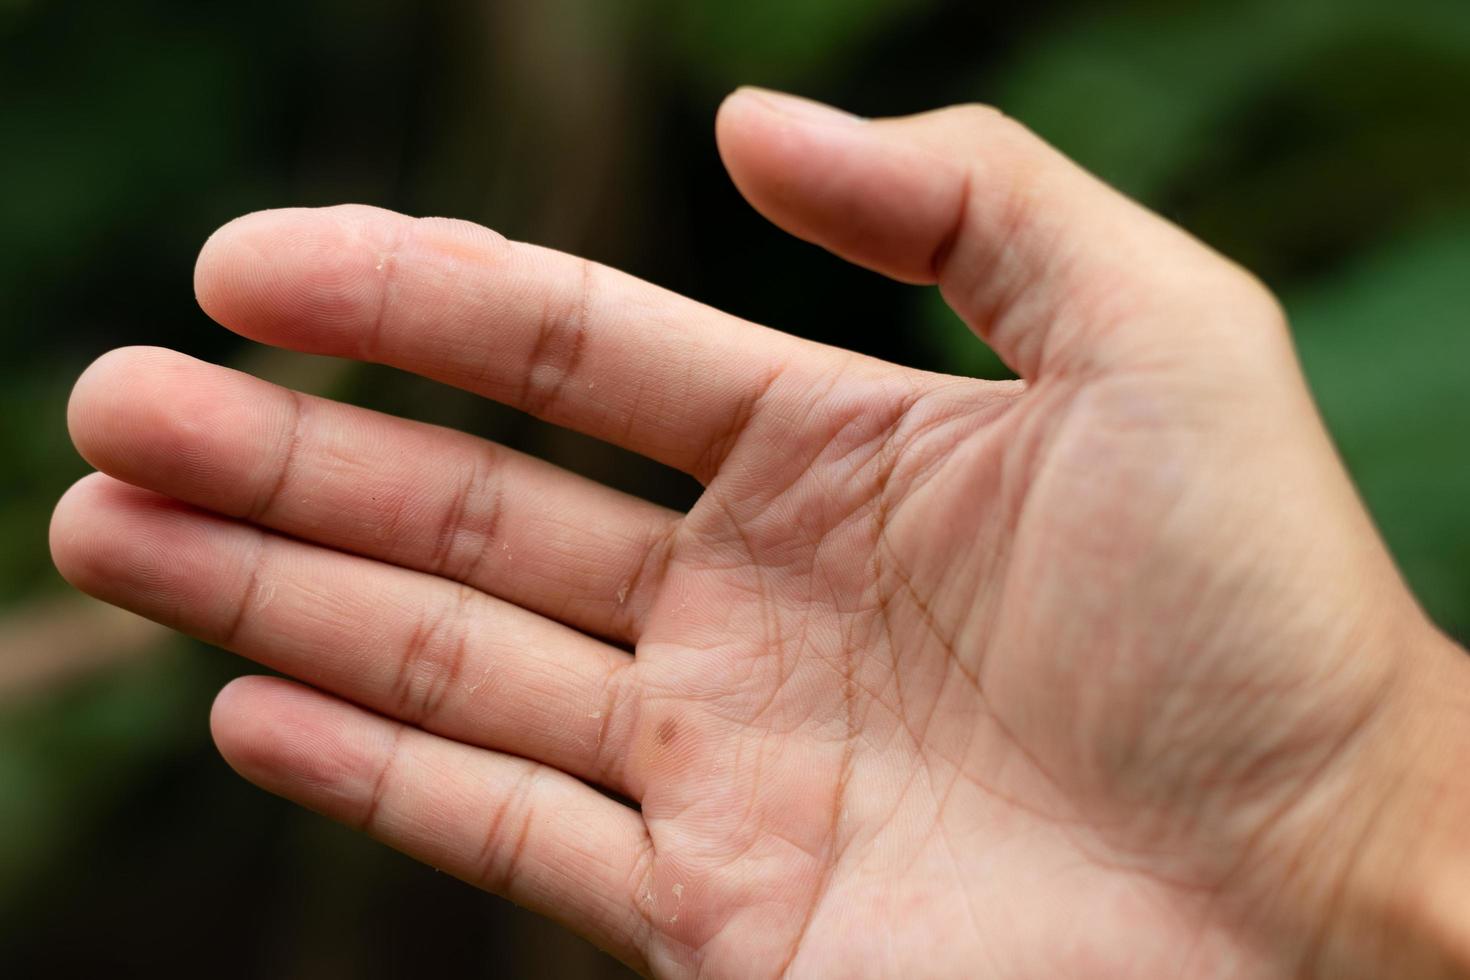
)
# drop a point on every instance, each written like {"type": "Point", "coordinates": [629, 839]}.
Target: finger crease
{"type": "Point", "coordinates": [609, 763]}
{"type": "Point", "coordinates": [647, 578]}
{"type": "Point", "coordinates": [939, 258]}
{"type": "Point", "coordinates": [490, 531]}
{"type": "Point", "coordinates": [248, 596]}
{"type": "Point", "coordinates": [499, 865]}
{"type": "Point", "coordinates": [366, 822]}
{"type": "Point", "coordinates": [560, 339]}
{"type": "Point", "coordinates": [287, 464]}
{"type": "Point", "coordinates": [387, 267]}
{"type": "Point", "coordinates": [719, 448]}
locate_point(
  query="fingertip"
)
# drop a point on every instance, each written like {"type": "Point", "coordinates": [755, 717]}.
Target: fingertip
{"type": "Point", "coordinates": [88, 394]}
{"type": "Point", "coordinates": [102, 395]}
{"type": "Point", "coordinates": [295, 741]}
{"type": "Point", "coordinates": [761, 127]}
{"type": "Point", "coordinates": [837, 180]}
{"type": "Point", "coordinates": [61, 537]}
{"type": "Point", "coordinates": [296, 277]}
{"type": "Point", "coordinates": [240, 719]}
{"type": "Point", "coordinates": [147, 553]}
{"type": "Point", "coordinates": [225, 254]}
{"type": "Point", "coordinates": [73, 531]}
{"type": "Point", "coordinates": [731, 128]}
{"type": "Point", "coordinates": [159, 419]}
{"type": "Point", "coordinates": [731, 103]}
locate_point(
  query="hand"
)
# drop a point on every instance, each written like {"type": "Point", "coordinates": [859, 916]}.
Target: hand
{"type": "Point", "coordinates": [1099, 673]}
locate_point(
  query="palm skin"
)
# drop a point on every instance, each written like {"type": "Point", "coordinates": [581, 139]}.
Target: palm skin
{"type": "Point", "coordinates": [1071, 676]}
{"type": "Point", "coordinates": [898, 646]}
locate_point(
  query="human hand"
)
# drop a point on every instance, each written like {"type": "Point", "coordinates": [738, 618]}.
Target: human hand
{"type": "Point", "coordinates": [1099, 673]}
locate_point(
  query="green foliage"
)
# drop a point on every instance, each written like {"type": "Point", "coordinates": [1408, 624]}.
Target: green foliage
{"type": "Point", "coordinates": [773, 42]}
{"type": "Point", "coordinates": [1149, 96]}
{"type": "Point", "coordinates": [1386, 347]}
{"type": "Point", "coordinates": [66, 759]}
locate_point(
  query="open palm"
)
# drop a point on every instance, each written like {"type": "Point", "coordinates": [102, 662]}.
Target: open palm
{"type": "Point", "coordinates": [1054, 677]}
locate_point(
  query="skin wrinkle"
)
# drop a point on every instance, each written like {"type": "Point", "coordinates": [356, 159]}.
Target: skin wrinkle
{"type": "Point", "coordinates": [1256, 840]}
{"type": "Point", "coordinates": [498, 864]}
{"type": "Point", "coordinates": [618, 699]}
{"type": "Point", "coordinates": [394, 520]}
{"type": "Point", "coordinates": [259, 511]}
{"type": "Point", "coordinates": [452, 525]}
{"type": "Point", "coordinates": [998, 248]}
{"type": "Point", "coordinates": [479, 378]}
{"type": "Point", "coordinates": [412, 651]}
{"type": "Point", "coordinates": [1337, 901]}
{"type": "Point", "coordinates": [773, 642]}
{"type": "Point", "coordinates": [370, 347]}
{"type": "Point", "coordinates": [445, 677]}
{"type": "Point", "coordinates": [915, 598]}
{"type": "Point", "coordinates": [881, 551]}
{"type": "Point", "coordinates": [939, 257]}
{"type": "Point", "coordinates": [561, 337]}
{"type": "Point", "coordinates": [489, 530]}
{"type": "Point", "coordinates": [762, 406]}
{"type": "Point", "coordinates": [883, 599]}
{"type": "Point", "coordinates": [635, 410]}
{"type": "Point", "coordinates": [979, 783]}
{"type": "Point", "coordinates": [888, 437]}
{"type": "Point", "coordinates": [640, 883]}
{"type": "Point", "coordinates": [415, 700]}
{"type": "Point", "coordinates": [647, 580]}
{"type": "Point", "coordinates": [248, 595]}
{"type": "Point", "coordinates": [843, 423]}
{"type": "Point", "coordinates": [367, 822]}
{"type": "Point", "coordinates": [887, 456]}
{"type": "Point", "coordinates": [1137, 758]}
{"type": "Point", "coordinates": [711, 461]}
{"type": "Point", "coordinates": [1137, 755]}
{"type": "Point", "coordinates": [984, 699]}
{"type": "Point", "coordinates": [1060, 427]}
{"type": "Point", "coordinates": [833, 849]}
{"type": "Point", "coordinates": [515, 860]}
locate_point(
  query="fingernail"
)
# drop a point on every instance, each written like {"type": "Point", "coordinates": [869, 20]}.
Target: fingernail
{"type": "Point", "coordinates": [796, 107]}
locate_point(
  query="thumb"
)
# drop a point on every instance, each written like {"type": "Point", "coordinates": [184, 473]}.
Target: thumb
{"type": "Point", "coordinates": [1056, 270]}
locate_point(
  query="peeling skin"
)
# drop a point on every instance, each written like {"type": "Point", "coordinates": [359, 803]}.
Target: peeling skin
{"type": "Point", "coordinates": [484, 676]}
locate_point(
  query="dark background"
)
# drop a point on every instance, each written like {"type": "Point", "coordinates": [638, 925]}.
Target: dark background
{"type": "Point", "coordinates": [1323, 143]}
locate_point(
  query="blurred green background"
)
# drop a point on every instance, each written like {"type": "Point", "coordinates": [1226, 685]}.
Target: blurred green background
{"type": "Point", "coordinates": [1323, 143]}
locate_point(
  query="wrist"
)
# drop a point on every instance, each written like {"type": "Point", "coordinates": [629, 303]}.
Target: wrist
{"type": "Point", "coordinates": [1401, 903]}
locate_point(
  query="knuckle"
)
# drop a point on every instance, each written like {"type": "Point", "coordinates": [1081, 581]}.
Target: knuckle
{"type": "Point", "coordinates": [561, 335]}
{"type": "Point", "coordinates": [503, 852]}
{"type": "Point", "coordinates": [978, 114]}
{"type": "Point", "coordinates": [1259, 302]}
{"type": "Point", "coordinates": [431, 662]}
{"type": "Point", "coordinates": [469, 524]}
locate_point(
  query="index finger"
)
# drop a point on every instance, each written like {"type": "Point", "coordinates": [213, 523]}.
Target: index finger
{"type": "Point", "coordinates": [565, 339]}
